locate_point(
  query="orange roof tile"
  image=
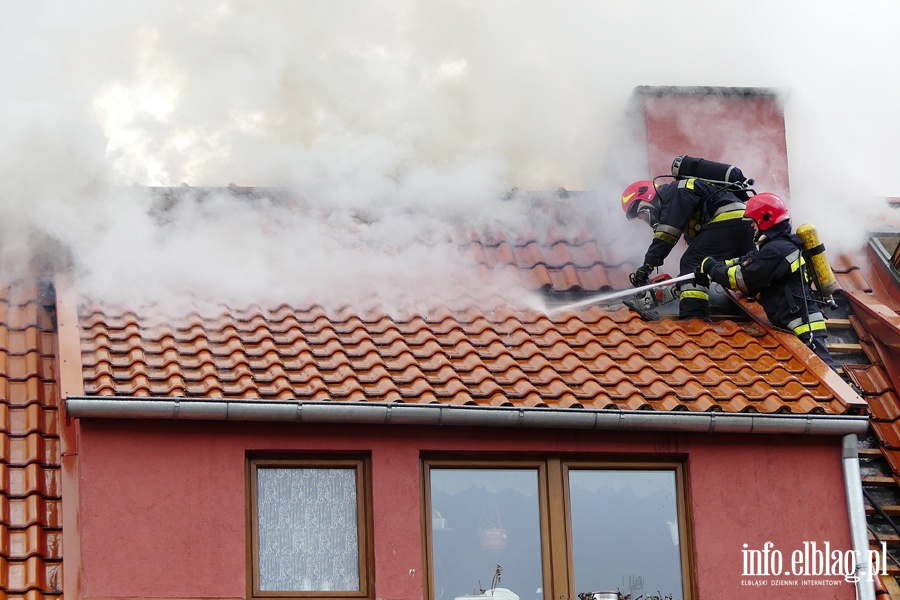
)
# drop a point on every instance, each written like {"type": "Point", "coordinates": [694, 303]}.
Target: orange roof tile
{"type": "Point", "coordinates": [560, 259]}
{"type": "Point", "coordinates": [30, 492]}
{"type": "Point", "coordinates": [591, 358]}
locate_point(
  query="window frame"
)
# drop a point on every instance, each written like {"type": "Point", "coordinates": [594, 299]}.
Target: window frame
{"type": "Point", "coordinates": [890, 259]}
{"type": "Point", "coordinates": [557, 553]}
{"type": "Point", "coordinates": [363, 469]}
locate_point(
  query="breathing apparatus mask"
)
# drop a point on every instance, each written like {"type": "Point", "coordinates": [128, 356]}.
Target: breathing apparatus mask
{"type": "Point", "coordinates": [648, 212]}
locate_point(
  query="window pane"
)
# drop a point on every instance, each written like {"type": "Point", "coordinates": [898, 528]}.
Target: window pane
{"type": "Point", "coordinates": [308, 534]}
{"type": "Point", "coordinates": [889, 242]}
{"type": "Point", "coordinates": [482, 518]}
{"type": "Point", "coordinates": [625, 532]}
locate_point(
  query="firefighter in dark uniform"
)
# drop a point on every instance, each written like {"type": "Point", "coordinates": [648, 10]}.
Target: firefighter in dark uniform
{"type": "Point", "coordinates": [776, 274]}
{"type": "Point", "coordinates": [708, 214]}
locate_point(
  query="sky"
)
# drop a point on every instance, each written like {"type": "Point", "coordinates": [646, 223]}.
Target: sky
{"type": "Point", "coordinates": [396, 124]}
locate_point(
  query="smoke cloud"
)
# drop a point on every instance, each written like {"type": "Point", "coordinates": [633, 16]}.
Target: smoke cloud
{"type": "Point", "coordinates": [398, 128]}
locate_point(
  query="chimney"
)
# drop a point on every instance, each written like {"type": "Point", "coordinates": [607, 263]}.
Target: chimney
{"type": "Point", "coordinates": [738, 126]}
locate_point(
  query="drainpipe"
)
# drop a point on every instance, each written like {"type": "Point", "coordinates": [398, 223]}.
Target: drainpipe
{"type": "Point", "coordinates": [865, 585]}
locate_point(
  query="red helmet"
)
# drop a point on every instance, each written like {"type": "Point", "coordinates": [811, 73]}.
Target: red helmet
{"type": "Point", "coordinates": [766, 210]}
{"type": "Point", "coordinates": [639, 191]}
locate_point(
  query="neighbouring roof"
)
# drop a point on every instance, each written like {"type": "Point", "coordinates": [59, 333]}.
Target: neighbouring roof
{"type": "Point", "coordinates": [30, 455]}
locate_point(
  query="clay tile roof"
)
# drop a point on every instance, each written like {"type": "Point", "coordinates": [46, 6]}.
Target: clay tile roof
{"type": "Point", "coordinates": [30, 488]}
{"type": "Point", "coordinates": [559, 259]}
{"type": "Point", "coordinates": [467, 351]}
{"type": "Point", "coordinates": [471, 355]}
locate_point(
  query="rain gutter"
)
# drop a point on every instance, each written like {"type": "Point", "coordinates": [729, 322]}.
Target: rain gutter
{"type": "Point", "coordinates": [392, 413]}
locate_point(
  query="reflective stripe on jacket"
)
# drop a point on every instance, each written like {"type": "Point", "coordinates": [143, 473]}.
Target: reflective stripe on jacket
{"type": "Point", "coordinates": [773, 275]}
{"type": "Point", "coordinates": [686, 207]}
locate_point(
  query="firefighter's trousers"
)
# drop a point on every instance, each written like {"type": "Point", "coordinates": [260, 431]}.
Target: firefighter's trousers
{"type": "Point", "coordinates": [720, 240]}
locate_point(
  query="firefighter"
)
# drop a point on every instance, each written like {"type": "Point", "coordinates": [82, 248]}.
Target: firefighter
{"type": "Point", "coordinates": [776, 274]}
{"type": "Point", "coordinates": [710, 217]}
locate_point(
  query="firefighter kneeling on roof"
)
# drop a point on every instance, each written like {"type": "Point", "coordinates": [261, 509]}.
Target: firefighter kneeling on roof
{"type": "Point", "coordinates": [703, 204]}
{"type": "Point", "coordinates": [776, 274]}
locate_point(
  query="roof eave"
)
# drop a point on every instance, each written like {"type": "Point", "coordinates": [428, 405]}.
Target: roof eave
{"type": "Point", "coordinates": [388, 413]}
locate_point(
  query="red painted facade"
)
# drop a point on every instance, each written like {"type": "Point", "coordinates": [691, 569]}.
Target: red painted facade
{"type": "Point", "coordinates": [163, 504]}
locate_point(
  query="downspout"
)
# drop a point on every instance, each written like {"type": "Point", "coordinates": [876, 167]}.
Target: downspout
{"type": "Point", "coordinates": [865, 585]}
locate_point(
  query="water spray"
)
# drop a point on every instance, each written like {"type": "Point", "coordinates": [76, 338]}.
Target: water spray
{"type": "Point", "coordinates": [603, 298]}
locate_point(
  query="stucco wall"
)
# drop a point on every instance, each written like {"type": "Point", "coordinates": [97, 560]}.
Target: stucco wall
{"type": "Point", "coordinates": [163, 503]}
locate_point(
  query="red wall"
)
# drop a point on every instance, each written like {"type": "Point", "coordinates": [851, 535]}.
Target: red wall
{"type": "Point", "coordinates": [163, 503]}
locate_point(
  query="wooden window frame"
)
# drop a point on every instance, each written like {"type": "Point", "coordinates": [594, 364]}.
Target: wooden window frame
{"type": "Point", "coordinates": [363, 468]}
{"type": "Point", "coordinates": [557, 554]}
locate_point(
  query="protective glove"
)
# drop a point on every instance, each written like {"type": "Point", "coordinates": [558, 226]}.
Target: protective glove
{"type": "Point", "coordinates": [701, 278]}
{"type": "Point", "coordinates": [706, 265]}
{"type": "Point", "coordinates": [641, 276]}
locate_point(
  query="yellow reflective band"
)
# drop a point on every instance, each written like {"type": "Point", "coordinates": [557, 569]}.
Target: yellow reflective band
{"type": "Point", "coordinates": [725, 216]}
{"type": "Point", "coordinates": [797, 264]}
{"type": "Point", "coordinates": [807, 327]}
{"type": "Point", "coordinates": [690, 184]}
{"type": "Point", "coordinates": [732, 277]}
{"type": "Point", "coordinates": [694, 295]}
{"type": "Point", "coordinates": [625, 199]}
{"type": "Point", "coordinates": [669, 239]}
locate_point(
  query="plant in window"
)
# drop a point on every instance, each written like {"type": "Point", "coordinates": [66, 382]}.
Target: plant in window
{"type": "Point", "coordinates": [495, 591]}
{"type": "Point", "coordinates": [491, 534]}
{"type": "Point", "coordinates": [480, 591]}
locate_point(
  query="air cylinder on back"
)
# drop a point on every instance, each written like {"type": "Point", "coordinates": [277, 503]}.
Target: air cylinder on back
{"type": "Point", "coordinates": [689, 166]}
{"type": "Point", "coordinates": [816, 252]}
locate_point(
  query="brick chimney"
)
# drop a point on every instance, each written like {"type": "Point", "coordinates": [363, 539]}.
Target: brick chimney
{"type": "Point", "coordinates": [739, 126]}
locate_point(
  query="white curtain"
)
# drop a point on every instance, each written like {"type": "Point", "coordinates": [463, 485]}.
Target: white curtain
{"type": "Point", "coordinates": [308, 535]}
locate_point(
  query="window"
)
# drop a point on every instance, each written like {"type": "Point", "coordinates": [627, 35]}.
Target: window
{"type": "Point", "coordinates": [886, 246]}
{"type": "Point", "coordinates": [309, 528]}
{"type": "Point", "coordinates": [554, 529]}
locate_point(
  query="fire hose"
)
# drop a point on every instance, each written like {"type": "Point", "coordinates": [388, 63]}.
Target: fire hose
{"type": "Point", "coordinates": [621, 294]}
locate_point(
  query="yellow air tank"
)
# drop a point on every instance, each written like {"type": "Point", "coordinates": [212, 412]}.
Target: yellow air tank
{"type": "Point", "coordinates": [816, 252]}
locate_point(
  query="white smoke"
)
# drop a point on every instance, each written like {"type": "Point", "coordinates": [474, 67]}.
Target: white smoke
{"type": "Point", "coordinates": [397, 125]}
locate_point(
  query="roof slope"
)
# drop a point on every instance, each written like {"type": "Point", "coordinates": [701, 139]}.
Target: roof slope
{"type": "Point", "coordinates": [590, 359]}
{"type": "Point", "coordinates": [30, 493]}
{"type": "Point", "coordinates": [467, 351]}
